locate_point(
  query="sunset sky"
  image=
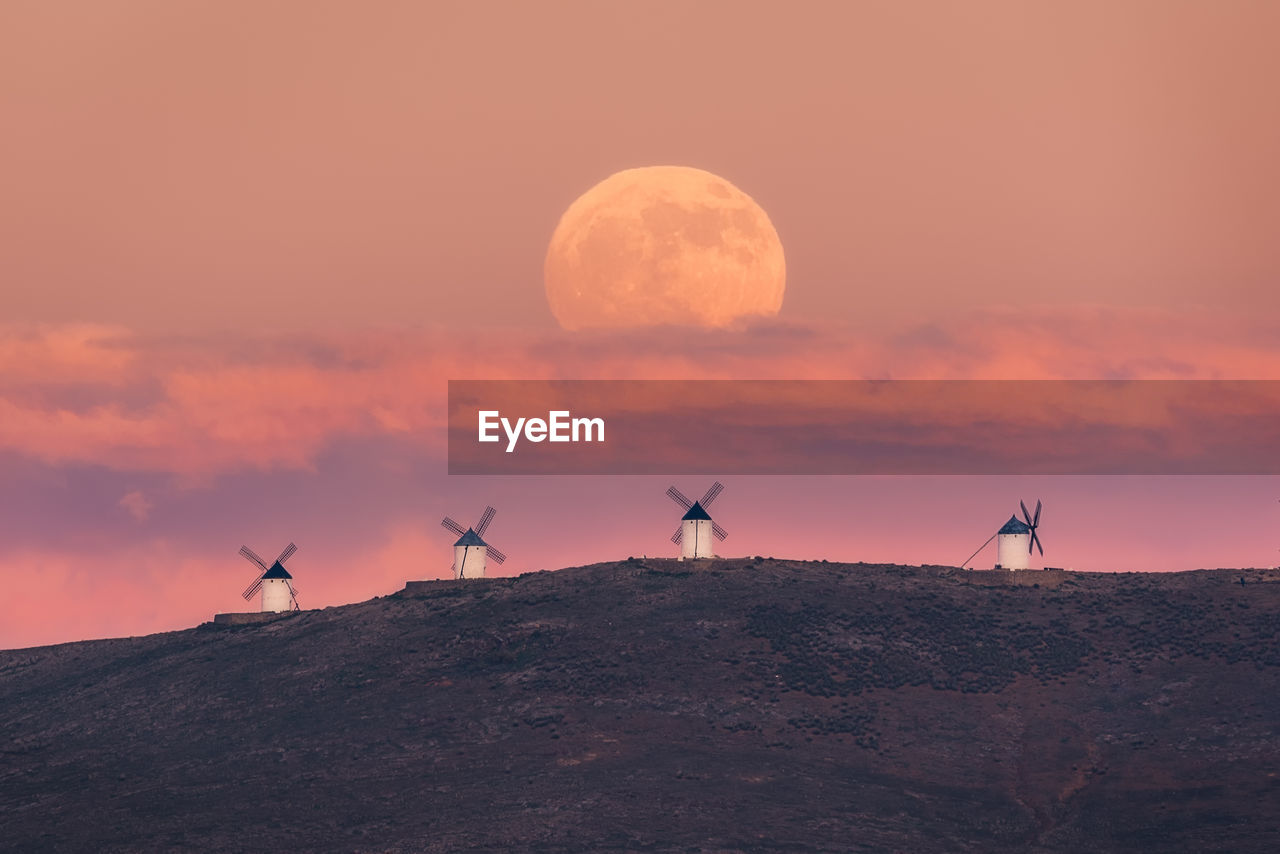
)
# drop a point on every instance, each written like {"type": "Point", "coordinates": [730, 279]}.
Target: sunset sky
{"type": "Point", "coordinates": [244, 246]}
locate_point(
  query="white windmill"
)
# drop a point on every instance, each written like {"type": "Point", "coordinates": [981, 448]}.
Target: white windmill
{"type": "Point", "coordinates": [471, 552]}
{"type": "Point", "coordinates": [278, 592]}
{"type": "Point", "coordinates": [696, 526]}
{"type": "Point", "coordinates": [1015, 540]}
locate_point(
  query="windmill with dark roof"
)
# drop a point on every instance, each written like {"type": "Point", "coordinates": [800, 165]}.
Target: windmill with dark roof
{"type": "Point", "coordinates": [1016, 539]}
{"type": "Point", "coordinates": [275, 582]}
{"type": "Point", "coordinates": [471, 552]}
{"type": "Point", "coordinates": [694, 536]}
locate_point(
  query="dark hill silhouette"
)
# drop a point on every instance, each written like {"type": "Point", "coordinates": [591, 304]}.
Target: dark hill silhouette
{"type": "Point", "coordinates": [744, 705]}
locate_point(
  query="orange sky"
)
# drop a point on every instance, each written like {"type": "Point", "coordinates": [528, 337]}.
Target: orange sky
{"type": "Point", "coordinates": [218, 164]}
{"type": "Point", "coordinates": [243, 246]}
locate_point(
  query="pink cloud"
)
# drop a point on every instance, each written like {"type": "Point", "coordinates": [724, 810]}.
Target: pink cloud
{"type": "Point", "coordinates": [225, 405]}
{"type": "Point", "coordinates": [136, 504]}
{"type": "Point", "coordinates": [68, 353]}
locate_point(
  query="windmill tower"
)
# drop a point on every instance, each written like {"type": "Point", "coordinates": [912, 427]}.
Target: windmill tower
{"type": "Point", "coordinates": [278, 592]}
{"type": "Point", "coordinates": [471, 552]}
{"type": "Point", "coordinates": [1016, 539]}
{"type": "Point", "coordinates": [696, 526]}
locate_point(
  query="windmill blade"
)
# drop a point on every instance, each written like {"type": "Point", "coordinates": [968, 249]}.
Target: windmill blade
{"type": "Point", "coordinates": [720, 533]}
{"type": "Point", "coordinates": [713, 492]}
{"type": "Point", "coordinates": [1035, 540]}
{"type": "Point", "coordinates": [679, 497]}
{"type": "Point", "coordinates": [451, 525]}
{"type": "Point", "coordinates": [252, 589]}
{"type": "Point", "coordinates": [1037, 519]}
{"type": "Point", "coordinates": [485, 518]}
{"type": "Point", "coordinates": [1026, 514]}
{"type": "Point", "coordinates": [248, 553]}
{"type": "Point", "coordinates": [293, 596]}
{"type": "Point", "coordinates": [678, 536]}
{"type": "Point", "coordinates": [497, 556]}
{"type": "Point", "coordinates": [287, 553]}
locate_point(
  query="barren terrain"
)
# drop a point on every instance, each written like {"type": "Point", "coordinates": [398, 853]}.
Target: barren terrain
{"type": "Point", "coordinates": [744, 705]}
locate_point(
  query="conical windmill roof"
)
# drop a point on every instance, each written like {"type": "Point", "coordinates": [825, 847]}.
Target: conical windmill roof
{"type": "Point", "coordinates": [470, 538]}
{"type": "Point", "coordinates": [1015, 526]}
{"type": "Point", "coordinates": [277, 570]}
{"type": "Point", "coordinates": [696, 512]}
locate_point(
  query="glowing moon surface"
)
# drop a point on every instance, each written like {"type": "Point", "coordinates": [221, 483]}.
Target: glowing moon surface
{"type": "Point", "coordinates": [664, 245]}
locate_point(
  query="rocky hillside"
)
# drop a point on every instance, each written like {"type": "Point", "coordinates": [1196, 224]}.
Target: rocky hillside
{"type": "Point", "coordinates": [754, 705]}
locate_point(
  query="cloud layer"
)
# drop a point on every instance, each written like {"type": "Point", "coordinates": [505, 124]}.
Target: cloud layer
{"type": "Point", "coordinates": [102, 396]}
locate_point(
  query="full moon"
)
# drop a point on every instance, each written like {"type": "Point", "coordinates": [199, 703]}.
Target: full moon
{"type": "Point", "coordinates": [664, 245]}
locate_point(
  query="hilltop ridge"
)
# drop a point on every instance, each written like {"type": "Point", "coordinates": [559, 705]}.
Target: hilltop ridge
{"type": "Point", "coordinates": [724, 705]}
